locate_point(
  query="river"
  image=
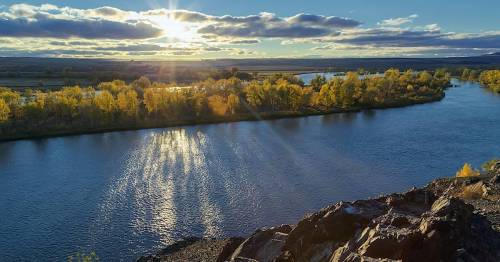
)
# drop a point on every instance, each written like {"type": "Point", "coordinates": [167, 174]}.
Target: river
{"type": "Point", "coordinates": [125, 194]}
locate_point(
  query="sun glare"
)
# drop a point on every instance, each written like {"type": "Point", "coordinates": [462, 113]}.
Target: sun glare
{"type": "Point", "coordinates": [175, 29]}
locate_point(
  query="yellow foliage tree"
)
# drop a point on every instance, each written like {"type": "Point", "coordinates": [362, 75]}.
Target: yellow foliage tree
{"type": "Point", "coordinates": [467, 171]}
{"type": "Point", "coordinates": [218, 105]}
{"type": "Point", "coordinates": [233, 103]}
{"type": "Point", "coordinates": [128, 103]}
{"type": "Point", "coordinates": [105, 101]}
{"type": "Point", "coordinates": [4, 111]}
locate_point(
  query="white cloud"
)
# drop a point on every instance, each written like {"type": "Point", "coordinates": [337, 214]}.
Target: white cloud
{"type": "Point", "coordinates": [395, 22]}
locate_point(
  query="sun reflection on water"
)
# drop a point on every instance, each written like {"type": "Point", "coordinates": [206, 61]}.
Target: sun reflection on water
{"type": "Point", "coordinates": [156, 174]}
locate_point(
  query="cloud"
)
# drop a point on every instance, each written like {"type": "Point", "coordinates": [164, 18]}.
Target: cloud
{"type": "Point", "coordinates": [49, 21]}
{"type": "Point", "coordinates": [268, 25]}
{"type": "Point", "coordinates": [49, 30]}
{"type": "Point", "coordinates": [245, 42]}
{"type": "Point", "coordinates": [319, 20]}
{"type": "Point", "coordinates": [418, 38]}
{"type": "Point", "coordinates": [90, 29]}
{"type": "Point", "coordinates": [182, 53]}
{"type": "Point", "coordinates": [213, 49]}
{"type": "Point", "coordinates": [132, 48]}
{"type": "Point", "coordinates": [394, 22]}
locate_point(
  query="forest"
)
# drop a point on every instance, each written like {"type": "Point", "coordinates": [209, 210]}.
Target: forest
{"type": "Point", "coordinates": [141, 104]}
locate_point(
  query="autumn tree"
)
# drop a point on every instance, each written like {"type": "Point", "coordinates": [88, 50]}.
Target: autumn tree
{"type": "Point", "coordinates": [128, 103]}
{"type": "Point", "coordinates": [254, 94]}
{"type": "Point", "coordinates": [233, 103]}
{"type": "Point", "coordinates": [4, 111]}
{"type": "Point", "coordinates": [218, 105]}
{"type": "Point", "coordinates": [105, 101]}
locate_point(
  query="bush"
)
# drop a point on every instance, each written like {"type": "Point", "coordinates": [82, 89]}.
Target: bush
{"type": "Point", "coordinates": [467, 171]}
{"type": "Point", "coordinates": [474, 191]}
{"type": "Point", "coordinates": [488, 165]}
{"type": "Point", "coordinates": [82, 257]}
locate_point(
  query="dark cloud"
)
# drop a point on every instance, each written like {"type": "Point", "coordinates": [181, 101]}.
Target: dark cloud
{"type": "Point", "coordinates": [61, 28]}
{"type": "Point", "coordinates": [424, 38]}
{"type": "Point", "coordinates": [263, 30]}
{"type": "Point", "coordinates": [212, 49]}
{"type": "Point", "coordinates": [245, 42]}
{"type": "Point", "coordinates": [132, 48]}
{"type": "Point", "coordinates": [266, 24]}
{"type": "Point", "coordinates": [54, 52]}
{"type": "Point", "coordinates": [319, 20]}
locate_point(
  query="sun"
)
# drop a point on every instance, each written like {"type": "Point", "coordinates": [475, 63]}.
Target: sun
{"type": "Point", "coordinates": [176, 29]}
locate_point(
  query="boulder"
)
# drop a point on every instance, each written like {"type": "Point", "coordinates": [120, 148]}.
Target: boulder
{"type": "Point", "coordinates": [263, 245]}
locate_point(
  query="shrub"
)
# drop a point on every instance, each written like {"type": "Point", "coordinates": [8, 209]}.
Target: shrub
{"type": "Point", "coordinates": [474, 191]}
{"type": "Point", "coordinates": [467, 171]}
{"type": "Point", "coordinates": [488, 165]}
{"type": "Point", "coordinates": [82, 257]}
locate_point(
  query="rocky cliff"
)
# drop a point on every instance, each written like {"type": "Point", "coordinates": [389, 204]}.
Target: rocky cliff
{"type": "Point", "coordinates": [449, 220]}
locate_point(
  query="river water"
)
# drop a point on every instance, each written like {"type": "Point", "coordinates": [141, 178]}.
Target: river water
{"type": "Point", "coordinates": [124, 194]}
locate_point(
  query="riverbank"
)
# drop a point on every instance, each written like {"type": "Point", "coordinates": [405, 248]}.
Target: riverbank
{"type": "Point", "coordinates": [213, 120]}
{"type": "Point", "coordinates": [450, 219]}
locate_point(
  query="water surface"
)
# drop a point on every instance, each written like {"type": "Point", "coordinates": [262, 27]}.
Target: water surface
{"type": "Point", "coordinates": [124, 194]}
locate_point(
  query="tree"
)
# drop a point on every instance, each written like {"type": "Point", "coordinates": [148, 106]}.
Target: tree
{"type": "Point", "coordinates": [491, 79]}
{"type": "Point", "coordinates": [151, 100]}
{"type": "Point", "coordinates": [128, 103]}
{"type": "Point", "coordinates": [424, 78]}
{"type": "Point", "coordinates": [143, 82]}
{"type": "Point", "coordinates": [105, 102]}
{"type": "Point", "coordinates": [255, 94]}
{"type": "Point", "coordinates": [348, 89]}
{"type": "Point", "coordinates": [218, 105]}
{"type": "Point", "coordinates": [317, 82]}
{"type": "Point", "coordinates": [233, 103]}
{"type": "Point", "coordinates": [113, 87]}
{"type": "Point", "coordinates": [4, 111]}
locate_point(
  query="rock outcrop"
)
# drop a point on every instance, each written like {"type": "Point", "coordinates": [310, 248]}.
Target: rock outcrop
{"type": "Point", "coordinates": [449, 220]}
{"type": "Point", "coordinates": [430, 224]}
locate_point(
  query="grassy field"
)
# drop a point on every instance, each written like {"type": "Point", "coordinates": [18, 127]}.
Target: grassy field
{"type": "Point", "coordinates": [21, 84]}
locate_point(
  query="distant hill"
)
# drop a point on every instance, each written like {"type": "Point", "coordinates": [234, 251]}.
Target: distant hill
{"type": "Point", "coordinates": [95, 70]}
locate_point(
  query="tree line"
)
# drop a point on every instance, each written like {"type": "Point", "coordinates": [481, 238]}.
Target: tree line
{"type": "Point", "coordinates": [491, 79]}
{"type": "Point", "coordinates": [143, 103]}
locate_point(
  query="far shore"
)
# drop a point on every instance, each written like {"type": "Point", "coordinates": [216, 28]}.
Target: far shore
{"type": "Point", "coordinates": [213, 120]}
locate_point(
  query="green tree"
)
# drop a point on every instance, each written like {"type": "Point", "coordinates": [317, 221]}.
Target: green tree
{"type": "Point", "coordinates": [317, 82]}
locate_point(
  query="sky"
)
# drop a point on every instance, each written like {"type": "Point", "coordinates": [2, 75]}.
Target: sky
{"type": "Point", "coordinates": [209, 29]}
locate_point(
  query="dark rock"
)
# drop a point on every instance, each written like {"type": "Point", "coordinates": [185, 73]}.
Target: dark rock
{"type": "Point", "coordinates": [263, 245]}
{"type": "Point", "coordinates": [495, 179]}
{"type": "Point", "coordinates": [495, 168]}
{"type": "Point", "coordinates": [429, 224]}
{"type": "Point", "coordinates": [414, 226]}
{"type": "Point", "coordinates": [232, 244]}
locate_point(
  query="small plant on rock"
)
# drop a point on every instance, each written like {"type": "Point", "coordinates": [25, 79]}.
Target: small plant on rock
{"type": "Point", "coordinates": [467, 171]}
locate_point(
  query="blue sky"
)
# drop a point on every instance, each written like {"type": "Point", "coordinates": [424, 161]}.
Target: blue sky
{"type": "Point", "coordinates": [293, 28]}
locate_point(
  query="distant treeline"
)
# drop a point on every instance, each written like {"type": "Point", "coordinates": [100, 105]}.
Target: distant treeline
{"type": "Point", "coordinates": [118, 105]}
